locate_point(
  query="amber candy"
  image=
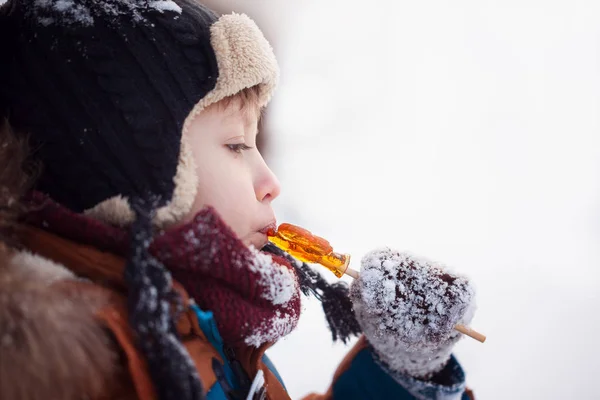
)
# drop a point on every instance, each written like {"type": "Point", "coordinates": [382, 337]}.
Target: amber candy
{"type": "Point", "coordinates": [307, 247]}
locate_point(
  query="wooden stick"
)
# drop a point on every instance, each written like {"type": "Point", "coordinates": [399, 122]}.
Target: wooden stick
{"type": "Point", "coordinates": [465, 330]}
{"type": "Point", "coordinates": [470, 332]}
{"type": "Point", "coordinates": [352, 272]}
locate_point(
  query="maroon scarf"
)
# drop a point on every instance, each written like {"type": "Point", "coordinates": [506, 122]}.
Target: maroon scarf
{"type": "Point", "coordinates": [254, 296]}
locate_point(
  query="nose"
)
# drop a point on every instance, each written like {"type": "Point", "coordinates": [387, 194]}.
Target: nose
{"type": "Point", "coordinates": [267, 186]}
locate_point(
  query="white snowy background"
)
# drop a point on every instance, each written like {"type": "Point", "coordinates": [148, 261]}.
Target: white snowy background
{"type": "Point", "coordinates": [465, 131]}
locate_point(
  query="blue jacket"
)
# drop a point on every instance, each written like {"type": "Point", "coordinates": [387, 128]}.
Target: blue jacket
{"type": "Point", "coordinates": [360, 375]}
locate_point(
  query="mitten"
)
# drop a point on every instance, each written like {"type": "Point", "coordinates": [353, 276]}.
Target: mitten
{"type": "Point", "coordinates": [408, 308]}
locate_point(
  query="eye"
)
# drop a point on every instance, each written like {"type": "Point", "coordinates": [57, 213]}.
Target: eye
{"type": "Point", "coordinates": [238, 147]}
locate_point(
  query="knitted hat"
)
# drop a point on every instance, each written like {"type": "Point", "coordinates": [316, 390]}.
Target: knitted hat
{"type": "Point", "coordinates": [105, 88]}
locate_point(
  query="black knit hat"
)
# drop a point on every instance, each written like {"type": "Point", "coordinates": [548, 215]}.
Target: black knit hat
{"type": "Point", "coordinates": [103, 89]}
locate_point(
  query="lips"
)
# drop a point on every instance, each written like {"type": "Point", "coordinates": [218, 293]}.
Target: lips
{"type": "Point", "coordinates": [270, 228]}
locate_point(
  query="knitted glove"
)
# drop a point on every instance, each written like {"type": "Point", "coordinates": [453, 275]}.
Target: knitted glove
{"type": "Point", "coordinates": [407, 308]}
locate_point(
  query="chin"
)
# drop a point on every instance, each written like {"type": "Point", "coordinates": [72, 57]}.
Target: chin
{"type": "Point", "coordinates": [257, 239]}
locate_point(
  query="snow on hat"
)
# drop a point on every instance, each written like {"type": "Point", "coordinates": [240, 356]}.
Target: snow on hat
{"type": "Point", "coordinates": [105, 88]}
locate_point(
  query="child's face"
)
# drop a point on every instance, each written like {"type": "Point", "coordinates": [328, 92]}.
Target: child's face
{"type": "Point", "coordinates": [232, 175]}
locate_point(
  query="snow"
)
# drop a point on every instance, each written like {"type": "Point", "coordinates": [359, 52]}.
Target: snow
{"type": "Point", "coordinates": [165, 5]}
{"type": "Point", "coordinates": [280, 284]}
{"type": "Point", "coordinates": [82, 12]}
{"type": "Point", "coordinates": [271, 330]}
{"type": "Point", "coordinates": [467, 132]}
{"type": "Point", "coordinates": [71, 13]}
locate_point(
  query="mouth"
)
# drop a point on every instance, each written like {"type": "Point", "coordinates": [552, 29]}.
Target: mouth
{"type": "Point", "coordinates": [269, 229]}
{"type": "Point", "coordinates": [260, 237]}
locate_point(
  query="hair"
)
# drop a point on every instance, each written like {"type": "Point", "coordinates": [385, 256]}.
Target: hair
{"type": "Point", "coordinates": [248, 98]}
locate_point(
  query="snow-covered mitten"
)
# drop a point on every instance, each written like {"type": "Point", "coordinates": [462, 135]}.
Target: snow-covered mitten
{"type": "Point", "coordinates": [408, 308]}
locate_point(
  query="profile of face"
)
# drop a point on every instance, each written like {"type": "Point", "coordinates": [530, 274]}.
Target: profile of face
{"type": "Point", "coordinates": [233, 177]}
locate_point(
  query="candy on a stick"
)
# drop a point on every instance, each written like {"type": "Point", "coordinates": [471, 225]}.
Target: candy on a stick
{"type": "Point", "coordinates": [307, 247]}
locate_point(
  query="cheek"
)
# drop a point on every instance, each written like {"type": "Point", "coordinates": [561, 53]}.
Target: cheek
{"type": "Point", "coordinates": [217, 188]}
{"type": "Point", "coordinates": [225, 184]}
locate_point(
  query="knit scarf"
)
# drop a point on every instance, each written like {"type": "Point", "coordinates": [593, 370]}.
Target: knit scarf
{"type": "Point", "coordinates": [254, 296]}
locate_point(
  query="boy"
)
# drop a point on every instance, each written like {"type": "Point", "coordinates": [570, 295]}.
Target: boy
{"type": "Point", "coordinates": [133, 270]}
